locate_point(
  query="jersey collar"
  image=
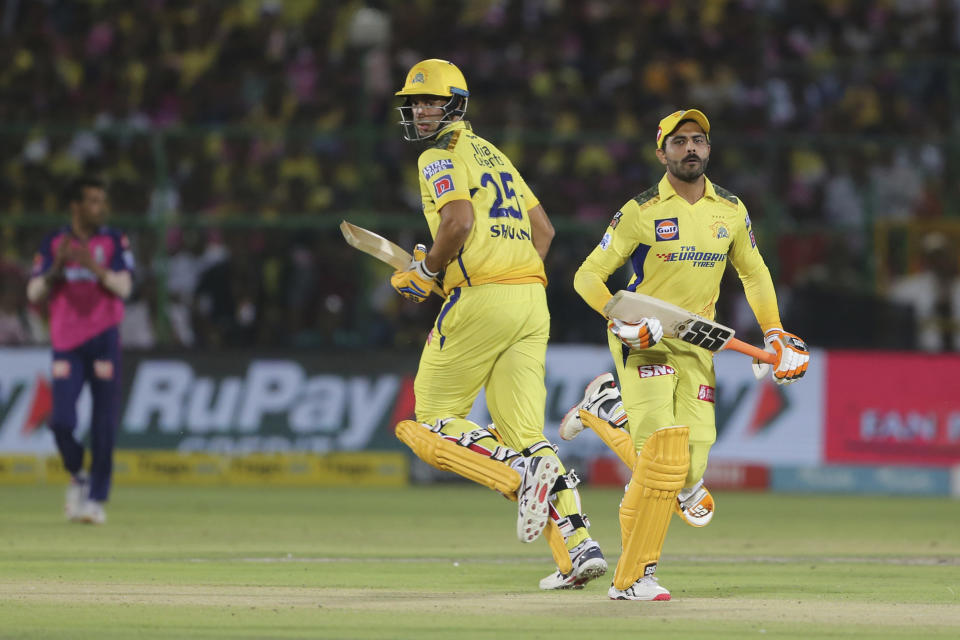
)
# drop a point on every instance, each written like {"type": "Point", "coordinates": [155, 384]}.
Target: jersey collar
{"type": "Point", "coordinates": [454, 126]}
{"type": "Point", "coordinates": [667, 191]}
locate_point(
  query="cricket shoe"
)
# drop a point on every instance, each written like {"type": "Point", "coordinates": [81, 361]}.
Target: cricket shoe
{"type": "Point", "coordinates": [93, 513]}
{"type": "Point", "coordinates": [602, 399]}
{"type": "Point", "coordinates": [588, 563]}
{"type": "Point", "coordinates": [695, 505]}
{"type": "Point", "coordinates": [533, 497]}
{"type": "Point", "coordinates": [76, 496]}
{"type": "Point", "coordinates": [646, 588]}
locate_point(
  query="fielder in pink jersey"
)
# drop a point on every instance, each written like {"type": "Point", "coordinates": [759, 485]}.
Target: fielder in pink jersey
{"type": "Point", "coordinates": [84, 271]}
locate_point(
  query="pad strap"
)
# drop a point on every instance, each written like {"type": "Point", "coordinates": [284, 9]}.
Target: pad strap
{"type": "Point", "coordinates": [569, 480]}
{"type": "Point", "coordinates": [532, 449]}
{"type": "Point", "coordinates": [569, 524]}
{"type": "Point", "coordinates": [501, 453]}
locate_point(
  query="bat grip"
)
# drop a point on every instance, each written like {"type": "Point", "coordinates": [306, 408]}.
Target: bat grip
{"type": "Point", "coordinates": [736, 344]}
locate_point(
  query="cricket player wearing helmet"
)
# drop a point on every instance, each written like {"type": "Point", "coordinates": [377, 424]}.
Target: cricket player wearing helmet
{"type": "Point", "coordinates": [678, 237]}
{"type": "Point", "coordinates": [490, 235]}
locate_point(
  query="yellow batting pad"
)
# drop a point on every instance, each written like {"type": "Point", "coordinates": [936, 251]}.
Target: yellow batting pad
{"type": "Point", "coordinates": [558, 547]}
{"type": "Point", "coordinates": [438, 452]}
{"type": "Point", "coordinates": [617, 439]}
{"type": "Point", "coordinates": [648, 504]}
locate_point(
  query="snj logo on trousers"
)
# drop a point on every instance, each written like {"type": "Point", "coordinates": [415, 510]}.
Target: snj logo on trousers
{"type": "Point", "coordinates": [654, 370]}
{"type": "Point", "coordinates": [667, 229]}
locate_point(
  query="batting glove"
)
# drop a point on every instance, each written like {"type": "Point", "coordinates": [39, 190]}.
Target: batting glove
{"type": "Point", "coordinates": [792, 356]}
{"type": "Point", "coordinates": [637, 335]}
{"type": "Point", "coordinates": [416, 282]}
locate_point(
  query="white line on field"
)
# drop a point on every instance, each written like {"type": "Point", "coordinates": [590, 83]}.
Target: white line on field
{"type": "Point", "coordinates": [909, 560]}
{"type": "Point", "coordinates": [931, 561]}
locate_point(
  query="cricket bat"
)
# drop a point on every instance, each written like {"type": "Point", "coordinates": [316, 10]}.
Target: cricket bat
{"type": "Point", "coordinates": [677, 322]}
{"type": "Point", "coordinates": [380, 248]}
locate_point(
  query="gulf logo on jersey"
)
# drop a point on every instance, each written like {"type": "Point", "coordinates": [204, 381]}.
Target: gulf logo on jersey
{"type": "Point", "coordinates": [443, 184]}
{"type": "Point", "coordinates": [667, 229]}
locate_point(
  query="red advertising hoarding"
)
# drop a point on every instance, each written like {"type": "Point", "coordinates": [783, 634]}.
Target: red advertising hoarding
{"type": "Point", "coordinates": [892, 408]}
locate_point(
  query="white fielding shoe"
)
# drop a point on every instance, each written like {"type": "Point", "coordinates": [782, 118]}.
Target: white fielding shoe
{"type": "Point", "coordinates": [695, 505]}
{"type": "Point", "coordinates": [602, 399]}
{"type": "Point", "coordinates": [93, 513]}
{"type": "Point", "coordinates": [588, 563]}
{"type": "Point", "coordinates": [75, 498]}
{"type": "Point", "coordinates": [533, 497]}
{"type": "Point", "coordinates": [646, 588]}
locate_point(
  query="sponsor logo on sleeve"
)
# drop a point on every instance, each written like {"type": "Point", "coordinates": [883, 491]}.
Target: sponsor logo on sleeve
{"type": "Point", "coordinates": [616, 219]}
{"type": "Point", "coordinates": [753, 241]}
{"type": "Point", "coordinates": [436, 167]}
{"type": "Point", "coordinates": [747, 220]}
{"type": "Point", "coordinates": [705, 393]}
{"type": "Point", "coordinates": [605, 241]}
{"type": "Point", "coordinates": [667, 229]}
{"type": "Point", "coordinates": [443, 184]}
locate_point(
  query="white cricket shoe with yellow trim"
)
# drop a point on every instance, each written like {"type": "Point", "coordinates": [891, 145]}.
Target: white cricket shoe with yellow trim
{"type": "Point", "coordinates": [540, 473]}
{"type": "Point", "coordinates": [646, 588]}
{"type": "Point", "coordinates": [602, 399]}
{"type": "Point", "coordinates": [588, 563]}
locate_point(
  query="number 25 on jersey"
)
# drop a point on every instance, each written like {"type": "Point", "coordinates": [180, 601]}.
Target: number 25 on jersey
{"type": "Point", "coordinates": [497, 209]}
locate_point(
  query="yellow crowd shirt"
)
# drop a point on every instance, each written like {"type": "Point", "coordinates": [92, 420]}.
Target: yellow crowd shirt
{"type": "Point", "coordinates": [463, 166]}
{"type": "Point", "coordinates": [679, 251]}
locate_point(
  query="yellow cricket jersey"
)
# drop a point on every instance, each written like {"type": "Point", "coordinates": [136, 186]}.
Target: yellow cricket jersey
{"type": "Point", "coordinates": [679, 251]}
{"type": "Point", "coordinates": [463, 166]}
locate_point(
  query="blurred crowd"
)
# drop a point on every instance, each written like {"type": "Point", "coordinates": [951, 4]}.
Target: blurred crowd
{"type": "Point", "coordinates": [235, 135]}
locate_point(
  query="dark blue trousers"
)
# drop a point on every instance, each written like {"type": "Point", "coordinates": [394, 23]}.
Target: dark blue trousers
{"type": "Point", "coordinates": [96, 361]}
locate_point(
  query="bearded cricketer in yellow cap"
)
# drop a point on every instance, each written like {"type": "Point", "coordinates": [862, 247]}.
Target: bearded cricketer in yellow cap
{"type": "Point", "coordinates": [490, 235]}
{"type": "Point", "coordinates": [678, 236]}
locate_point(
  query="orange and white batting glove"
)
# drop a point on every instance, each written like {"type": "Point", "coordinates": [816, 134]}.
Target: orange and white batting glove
{"type": "Point", "coordinates": [417, 281]}
{"type": "Point", "coordinates": [792, 356]}
{"type": "Point", "coordinates": [637, 335]}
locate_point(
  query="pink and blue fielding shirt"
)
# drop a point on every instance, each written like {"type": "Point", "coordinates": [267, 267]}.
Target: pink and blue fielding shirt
{"type": "Point", "coordinates": [80, 307]}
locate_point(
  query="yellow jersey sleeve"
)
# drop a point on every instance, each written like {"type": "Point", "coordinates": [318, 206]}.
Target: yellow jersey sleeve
{"type": "Point", "coordinates": [616, 246]}
{"type": "Point", "coordinates": [443, 177]}
{"type": "Point", "coordinates": [529, 200]}
{"type": "Point", "coordinates": [757, 283]}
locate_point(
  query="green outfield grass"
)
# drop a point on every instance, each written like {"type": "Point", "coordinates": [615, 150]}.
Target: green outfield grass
{"type": "Point", "coordinates": [443, 562]}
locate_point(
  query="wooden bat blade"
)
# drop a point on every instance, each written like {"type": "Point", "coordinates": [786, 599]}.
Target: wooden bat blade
{"type": "Point", "coordinates": [380, 248]}
{"type": "Point", "coordinates": [375, 245]}
{"type": "Point", "coordinates": [677, 322]}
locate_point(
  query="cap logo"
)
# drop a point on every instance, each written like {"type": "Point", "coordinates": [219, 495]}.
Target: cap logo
{"type": "Point", "coordinates": [417, 78]}
{"type": "Point", "coordinates": [659, 134]}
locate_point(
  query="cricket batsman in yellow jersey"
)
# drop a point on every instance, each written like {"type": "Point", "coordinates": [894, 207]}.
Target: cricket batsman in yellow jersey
{"type": "Point", "coordinates": [678, 236]}
{"type": "Point", "coordinates": [490, 236]}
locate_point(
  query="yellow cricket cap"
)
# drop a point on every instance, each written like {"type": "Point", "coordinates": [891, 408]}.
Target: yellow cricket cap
{"type": "Point", "coordinates": [669, 124]}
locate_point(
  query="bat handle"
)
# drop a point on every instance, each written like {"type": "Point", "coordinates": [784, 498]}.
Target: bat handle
{"type": "Point", "coordinates": [736, 344]}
